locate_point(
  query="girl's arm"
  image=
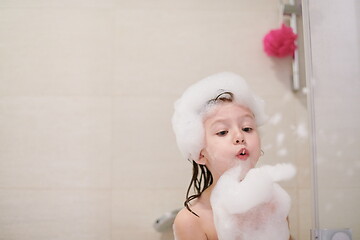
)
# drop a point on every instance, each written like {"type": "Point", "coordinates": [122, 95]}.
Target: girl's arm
{"type": "Point", "coordinates": [187, 227]}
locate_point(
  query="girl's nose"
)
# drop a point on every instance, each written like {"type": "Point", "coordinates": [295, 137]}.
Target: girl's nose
{"type": "Point", "coordinates": [239, 139]}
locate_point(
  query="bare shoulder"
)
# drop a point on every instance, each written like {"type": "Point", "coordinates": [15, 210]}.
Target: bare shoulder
{"type": "Point", "coordinates": [187, 226]}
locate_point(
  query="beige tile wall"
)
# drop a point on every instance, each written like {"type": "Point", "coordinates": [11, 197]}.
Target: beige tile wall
{"type": "Point", "coordinates": [87, 88]}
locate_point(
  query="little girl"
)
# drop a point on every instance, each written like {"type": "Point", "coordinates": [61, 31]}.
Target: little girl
{"type": "Point", "coordinates": [216, 126]}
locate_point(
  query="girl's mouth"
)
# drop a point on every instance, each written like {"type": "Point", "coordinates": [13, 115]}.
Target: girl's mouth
{"type": "Point", "coordinates": [243, 154]}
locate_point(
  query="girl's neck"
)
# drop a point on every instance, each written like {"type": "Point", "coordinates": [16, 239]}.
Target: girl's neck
{"type": "Point", "coordinates": [205, 196]}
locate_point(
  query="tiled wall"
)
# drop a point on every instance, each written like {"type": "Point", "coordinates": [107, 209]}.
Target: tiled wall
{"type": "Point", "coordinates": [87, 89]}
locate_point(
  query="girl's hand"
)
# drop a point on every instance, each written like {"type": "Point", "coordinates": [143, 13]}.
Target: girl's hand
{"type": "Point", "coordinates": [254, 208]}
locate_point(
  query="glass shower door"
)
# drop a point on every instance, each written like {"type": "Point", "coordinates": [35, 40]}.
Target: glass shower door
{"type": "Point", "coordinates": [332, 52]}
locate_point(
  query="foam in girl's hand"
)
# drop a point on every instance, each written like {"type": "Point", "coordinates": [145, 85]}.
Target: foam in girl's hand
{"type": "Point", "coordinates": [254, 208]}
{"type": "Point", "coordinates": [280, 172]}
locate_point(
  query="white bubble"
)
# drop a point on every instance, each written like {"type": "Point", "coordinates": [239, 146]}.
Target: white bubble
{"type": "Point", "coordinates": [305, 90]}
{"type": "Point", "coordinates": [301, 130]}
{"type": "Point", "coordinates": [280, 138]}
{"type": "Point", "coordinates": [275, 119]}
{"type": "Point", "coordinates": [282, 152]}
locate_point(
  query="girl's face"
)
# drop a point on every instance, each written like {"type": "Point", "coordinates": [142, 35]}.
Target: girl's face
{"type": "Point", "coordinates": [231, 138]}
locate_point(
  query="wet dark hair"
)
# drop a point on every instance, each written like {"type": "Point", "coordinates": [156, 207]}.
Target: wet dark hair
{"type": "Point", "coordinates": [222, 97]}
{"type": "Point", "coordinates": [201, 180]}
{"type": "Point", "coordinates": [202, 177]}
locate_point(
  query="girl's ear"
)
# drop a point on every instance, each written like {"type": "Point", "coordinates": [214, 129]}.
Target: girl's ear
{"type": "Point", "coordinates": [202, 159]}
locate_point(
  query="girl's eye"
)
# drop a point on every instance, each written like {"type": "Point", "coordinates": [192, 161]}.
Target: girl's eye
{"type": "Point", "coordinates": [222, 133]}
{"type": "Point", "coordinates": [247, 129]}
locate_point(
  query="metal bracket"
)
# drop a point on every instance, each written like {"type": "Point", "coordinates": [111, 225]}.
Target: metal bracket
{"type": "Point", "coordinates": [293, 10]}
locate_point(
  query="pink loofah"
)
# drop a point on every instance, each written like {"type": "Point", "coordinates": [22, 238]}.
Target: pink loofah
{"type": "Point", "coordinates": [280, 42]}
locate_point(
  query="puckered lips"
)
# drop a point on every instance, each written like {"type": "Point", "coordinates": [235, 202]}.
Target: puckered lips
{"type": "Point", "coordinates": [243, 154]}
